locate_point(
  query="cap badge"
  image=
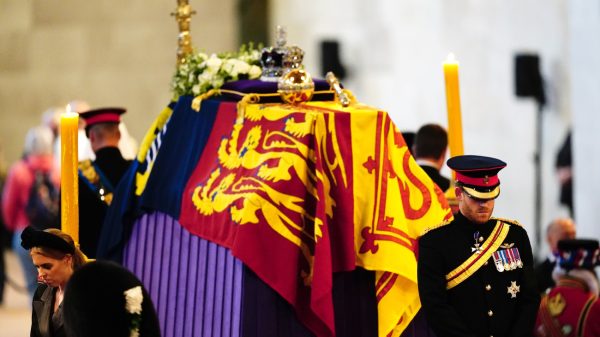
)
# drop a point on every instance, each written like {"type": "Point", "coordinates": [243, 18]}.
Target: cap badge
{"type": "Point", "coordinates": [556, 304]}
{"type": "Point", "coordinates": [486, 180]}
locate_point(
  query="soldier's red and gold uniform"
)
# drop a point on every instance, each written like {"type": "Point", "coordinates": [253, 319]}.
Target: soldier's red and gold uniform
{"type": "Point", "coordinates": [572, 308]}
{"type": "Point", "coordinates": [569, 309]}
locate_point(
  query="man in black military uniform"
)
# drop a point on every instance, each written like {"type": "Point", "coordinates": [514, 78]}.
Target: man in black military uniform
{"type": "Point", "coordinates": [475, 274]}
{"type": "Point", "coordinates": [98, 179]}
{"type": "Point", "coordinates": [429, 149]}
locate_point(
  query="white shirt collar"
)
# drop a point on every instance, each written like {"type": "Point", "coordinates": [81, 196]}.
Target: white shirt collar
{"type": "Point", "coordinates": [425, 162]}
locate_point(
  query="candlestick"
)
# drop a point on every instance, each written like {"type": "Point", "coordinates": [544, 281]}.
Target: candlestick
{"type": "Point", "coordinates": [455, 139]}
{"type": "Point", "coordinates": [69, 174]}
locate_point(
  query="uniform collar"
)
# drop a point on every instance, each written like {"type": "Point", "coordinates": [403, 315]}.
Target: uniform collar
{"type": "Point", "coordinates": [108, 153]}
{"type": "Point", "coordinates": [463, 222]}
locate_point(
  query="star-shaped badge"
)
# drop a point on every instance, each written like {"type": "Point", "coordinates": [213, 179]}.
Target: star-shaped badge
{"type": "Point", "coordinates": [513, 289]}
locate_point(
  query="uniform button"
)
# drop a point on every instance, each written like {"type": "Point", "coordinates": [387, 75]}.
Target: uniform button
{"type": "Point", "coordinates": [486, 263]}
{"type": "Point", "coordinates": [488, 287]}
{"type": "Point", "coordinates": [490, 313]}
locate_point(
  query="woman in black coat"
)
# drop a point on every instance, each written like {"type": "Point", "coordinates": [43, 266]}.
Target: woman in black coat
{"type": "Point", "coordinates": [56, 257]}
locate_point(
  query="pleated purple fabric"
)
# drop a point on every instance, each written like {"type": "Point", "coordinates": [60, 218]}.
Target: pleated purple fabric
{"type": "Point", "coordinates": [196, 285]}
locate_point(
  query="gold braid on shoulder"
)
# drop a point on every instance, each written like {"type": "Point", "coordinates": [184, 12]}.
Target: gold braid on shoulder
{"type": "Point", "coordinates": [88, 171]}
{"type": "Point", "coordinates": [430, 228]}
{"type": "Point", "coordinates": [508, 221]}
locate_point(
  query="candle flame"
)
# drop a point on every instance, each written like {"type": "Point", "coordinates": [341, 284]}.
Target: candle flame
{"type": "Point", "coordinates": [451, 58]}
{"type": "Point", "coordinates": [69, 111]}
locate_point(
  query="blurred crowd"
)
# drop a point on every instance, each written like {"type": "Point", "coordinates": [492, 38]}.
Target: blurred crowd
{"type": "Point", "coordinates": [39, 167]}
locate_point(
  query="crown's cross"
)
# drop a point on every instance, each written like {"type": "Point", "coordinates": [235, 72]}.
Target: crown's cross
{"type": "Point", "coordinates": [272, 58]}
{"type": "Point", "coordinates": [280, 37]}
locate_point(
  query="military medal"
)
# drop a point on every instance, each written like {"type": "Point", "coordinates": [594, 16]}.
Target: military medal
{"type": "Point", "coordinates": [513, 289]}
{"type": "Point", "coordinates": [502, 254]}
{"type": "Point", "coordinates": [511, 259]}
{"type": "Point", "coordinates": [498, 261]}
{"type": "Point", "coordinates": [518, 256]}
{"type": "Point", "coordinates": [477, 246]}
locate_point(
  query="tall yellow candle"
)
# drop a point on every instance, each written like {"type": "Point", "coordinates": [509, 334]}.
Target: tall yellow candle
{"type": "Point", "coordinates": [455, 139]}
{"type": "Point", "coordinates": [69, 174]}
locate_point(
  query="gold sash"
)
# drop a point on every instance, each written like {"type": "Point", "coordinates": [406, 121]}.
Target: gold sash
{"type": "Point", "coordinates": [473, 263]}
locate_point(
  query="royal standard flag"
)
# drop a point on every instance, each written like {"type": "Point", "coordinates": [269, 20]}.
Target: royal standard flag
{"type": "Point", "coordinates": [301, 191]}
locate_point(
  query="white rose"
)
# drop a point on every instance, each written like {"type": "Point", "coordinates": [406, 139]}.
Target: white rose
{"type": "Point", "coordinates": [202, 56]}
{"type": "Point", "coordinates": [205, 78]}
{"type": "Point", "coordinates": [235, 67]}
{"type": "Point", "coordinates": [213, 63]}
{"type": "Point", "coordinates": [254, 72]}
{"type": "Point", "coordinates": [241, 67]}
{"type": "Point", "coordinates": [229, 68]}
{"type": "Point", "coordinates": [217, 82]}
{"type": "Point", "coordinates": [133, 300]}
{"type": "Point", "coordinates": [196, 89]}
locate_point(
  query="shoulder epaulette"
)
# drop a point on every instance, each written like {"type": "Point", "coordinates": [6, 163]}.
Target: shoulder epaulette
{"type": "Point", "coordinates": [88, 171]}
{"type": "Point", "coordinates": [84, 164]}
{"type": "Point", "coordinates": [92, 176]}
{"type": "Point", "coordinates": [430, 228]}
{"type": "Point", "coordinates": [509, 221]}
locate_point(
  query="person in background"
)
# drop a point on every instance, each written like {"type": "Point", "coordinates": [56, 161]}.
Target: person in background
{"type": "Point", "coordinates": [409, 139]}
{"type": "Point", "coordinates": [559, 229]}
{"type": "Point", "coordinates": [37, 157]}
{"type": "Point", "coordinates": [99, 178]}
{"type": "Point", "coordinates": [571, 308]}
{"type": "Point", "coordinates": [4, 233]}
{"type": "Point", "coordinates": [429, 150]}
{"type": "Point", "coordinates": [127, 144]}
{"type": "Point", "coordinates": [105, 299]}
{"type": "Point", "coordinates": [51, 119]}
{"type": "Point", "coordinates": [564, 171]}
{"type": "Point", "coordinates": [475, 273]}
{"type": "Point", "coordinates": [56, 257]}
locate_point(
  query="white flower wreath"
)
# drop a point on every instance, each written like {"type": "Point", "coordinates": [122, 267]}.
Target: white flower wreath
{"type": "Point", "coordinates": [201, 72]}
